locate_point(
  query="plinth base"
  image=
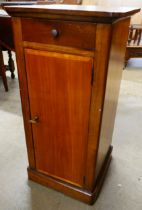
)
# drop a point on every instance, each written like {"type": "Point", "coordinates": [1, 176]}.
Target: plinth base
{"type": "Point", "coordinates": [68, 189]}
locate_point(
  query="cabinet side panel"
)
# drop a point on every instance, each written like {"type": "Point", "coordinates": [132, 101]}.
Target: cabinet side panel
{"type": "Point", "coordinates": [23, 89]}
{"type": "Point", "coordinates": [115, 67]}
{"type": "Point", "coordinates": [103, 37]}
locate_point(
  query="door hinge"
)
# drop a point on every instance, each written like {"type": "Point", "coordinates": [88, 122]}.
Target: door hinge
{"type": "Point", "coordinates": [92, 78]}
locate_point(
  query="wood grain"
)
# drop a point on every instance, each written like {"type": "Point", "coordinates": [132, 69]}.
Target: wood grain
{"type": "Point", "coordinates": [98, 91]}
{"type": "Point", "coordinates": [56, 48]}
{"type": "Point", "coordinates": [73, 10]}
{"type": "Point", "coordinates": [116, 61]}
{"type": "Point", "coordinates": [61, 98]}
{"type": "Point", "coordinates": [71, 34]}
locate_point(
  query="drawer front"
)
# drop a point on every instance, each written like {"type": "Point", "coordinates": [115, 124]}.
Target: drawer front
{"type": "Point", "coordinates": [70, 34]}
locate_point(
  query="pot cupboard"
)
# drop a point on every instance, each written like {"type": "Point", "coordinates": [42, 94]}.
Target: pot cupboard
{"type": "Point", "coordinates": [70, 60]}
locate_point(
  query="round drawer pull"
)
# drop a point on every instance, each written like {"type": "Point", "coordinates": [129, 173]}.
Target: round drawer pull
{"type": "Point", "coordinates": [55, 33]}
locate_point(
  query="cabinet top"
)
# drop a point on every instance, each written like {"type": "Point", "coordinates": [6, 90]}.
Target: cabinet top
{"type": "Point", "coordinates": [66, 11]}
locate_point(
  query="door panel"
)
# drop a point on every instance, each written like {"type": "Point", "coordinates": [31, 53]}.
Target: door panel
{"type": "Point", "coordinates": [59, 91]}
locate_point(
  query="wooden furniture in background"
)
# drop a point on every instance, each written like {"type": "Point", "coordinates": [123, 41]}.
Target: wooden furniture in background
{"type": "Point", "coordinates": [6, 44]}
{"type": "Point", "coordinates": [6, 40]}
{"type": "Point", "coordinates": [70, 64]}
{"type": "Point", "coordinates": [134, 45]}
{"type": "Point", "coordinates": [3, 71]}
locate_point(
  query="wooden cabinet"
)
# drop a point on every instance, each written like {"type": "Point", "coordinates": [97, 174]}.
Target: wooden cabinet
{"type": "Point", "coordinates": [70, 62]}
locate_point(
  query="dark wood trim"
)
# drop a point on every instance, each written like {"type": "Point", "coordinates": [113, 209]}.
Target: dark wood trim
{"type": "Point", "coordinates": [102, 174]}
{"type": "Point", "coordinates": [65, 17]}
{"type": "Point", "coordinates": [79, 10]}
{"type": "Point", "coordinates": [71, 12]}
{"type": "Point", "coordinates": [70, 190]}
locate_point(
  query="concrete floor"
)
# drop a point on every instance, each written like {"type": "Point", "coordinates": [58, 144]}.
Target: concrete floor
{"type": "Point", "coordinates": [122, 189]}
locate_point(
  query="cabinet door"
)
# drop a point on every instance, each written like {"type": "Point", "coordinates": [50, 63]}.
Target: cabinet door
{"type": "Point", "coordinates": [59, 93]}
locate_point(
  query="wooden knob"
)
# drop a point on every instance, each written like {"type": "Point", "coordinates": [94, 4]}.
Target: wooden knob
{"type": "Point", "coordinates": [55, 33]}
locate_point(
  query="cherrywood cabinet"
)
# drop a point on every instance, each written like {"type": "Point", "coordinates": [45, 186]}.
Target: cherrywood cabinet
{"type": "Point", "coordinates": [70, 61]}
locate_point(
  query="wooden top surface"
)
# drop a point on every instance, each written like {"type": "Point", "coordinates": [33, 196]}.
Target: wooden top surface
{"type": "Point", "coordinates": [76, 10]}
